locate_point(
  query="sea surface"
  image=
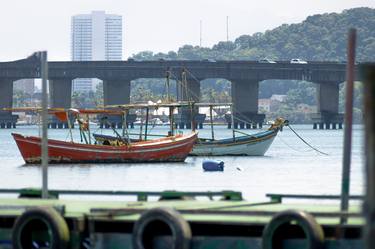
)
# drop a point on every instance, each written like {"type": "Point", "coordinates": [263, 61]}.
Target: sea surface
{"type": "Point", "coordinates": [289, 166]}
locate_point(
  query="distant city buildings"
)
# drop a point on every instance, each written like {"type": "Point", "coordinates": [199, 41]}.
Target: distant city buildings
{"type": "Point", "coordinates": [272, 104]}
{"type": "Point", "coordinates": [25, 85]}
{"type": "Point", "coordinates": [95, 37]}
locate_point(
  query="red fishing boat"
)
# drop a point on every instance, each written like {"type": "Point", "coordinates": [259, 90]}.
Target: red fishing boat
{"type": "Point", "coordinates": [168, 149]}
{"type": "Point", "coordinates": [173, 148]}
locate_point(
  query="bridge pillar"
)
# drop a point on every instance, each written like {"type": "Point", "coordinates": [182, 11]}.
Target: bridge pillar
{"type": "Point", "coordinates": [116, 92]}
{"type": "Point", "coordinates": [189, 92]}
{"type": "Point", "coordinates": [60, 97]}
{"type": "Point", "coordinates": [328, 105]}
{"type": "Point", "coordinates": [245, 95]}
{"type": "Point", "coordinates": [7, 120]}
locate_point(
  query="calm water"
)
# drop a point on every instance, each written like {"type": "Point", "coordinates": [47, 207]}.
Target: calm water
{"type": "Point", "coordinates": [289, 166]}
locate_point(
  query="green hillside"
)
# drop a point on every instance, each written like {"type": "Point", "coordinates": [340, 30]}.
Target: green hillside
{"type": "Point", "coordinates": [319, 37]}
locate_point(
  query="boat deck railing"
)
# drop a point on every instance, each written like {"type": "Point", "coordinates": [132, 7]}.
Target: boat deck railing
{"type": "Point", "coordinates": [140, 195]}
{"type": "Point", "coordinates": [280, 197]}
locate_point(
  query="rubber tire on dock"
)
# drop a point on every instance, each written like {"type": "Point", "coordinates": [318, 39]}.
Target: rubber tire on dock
{"type": "Point", "coordinates": [34, 217]}
{"type": "Point", "coordinates": [179, 227]}
{"type": "Point", "coordinates": [313, 231]}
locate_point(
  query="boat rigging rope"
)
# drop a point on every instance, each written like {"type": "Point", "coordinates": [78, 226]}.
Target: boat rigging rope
{"type": "Point", "coordinates": [291, 147]}
{"type": "Point", "coordinates": [312, 147]}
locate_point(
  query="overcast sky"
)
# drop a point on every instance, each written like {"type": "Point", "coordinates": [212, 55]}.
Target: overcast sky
{"type": "Point", "coordinates": [159, 26]}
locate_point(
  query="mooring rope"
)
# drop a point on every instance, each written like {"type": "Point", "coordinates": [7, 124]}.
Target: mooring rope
{"type": "Point", "coordinates": [312, 147]}
{"type": "Point", "coordinates": [291, 147]}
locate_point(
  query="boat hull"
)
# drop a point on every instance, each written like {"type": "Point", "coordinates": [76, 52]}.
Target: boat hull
{"type": "Point", "coordinates": [255, 145]}
{"type": "Point", "coordinates": [252, 145]}
{"type": "Point", "coordinates": [169, 149]}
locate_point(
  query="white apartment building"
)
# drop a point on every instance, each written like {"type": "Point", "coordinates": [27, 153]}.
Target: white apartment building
{"type": "Point", "coordinates": [96, 36]}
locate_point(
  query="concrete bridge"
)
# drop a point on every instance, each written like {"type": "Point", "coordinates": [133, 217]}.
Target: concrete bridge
{"type": "Point", "coordinates": [244, 76]}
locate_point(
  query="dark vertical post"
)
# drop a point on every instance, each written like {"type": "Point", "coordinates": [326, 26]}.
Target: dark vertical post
{"type": "Point", "coordinates": [345, 184]}
{"type": "Point", "coordinates": [368, 74]}
{"type": "Point", "coordinates": [44, 76]}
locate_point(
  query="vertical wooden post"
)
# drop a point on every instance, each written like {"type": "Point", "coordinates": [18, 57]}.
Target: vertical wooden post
{"type": "Point", "coordinates": [368, 76]}
{"type": "Point", "coordinates": [44, 145]}
{"type": "Point", "coordinates": [345, 181]}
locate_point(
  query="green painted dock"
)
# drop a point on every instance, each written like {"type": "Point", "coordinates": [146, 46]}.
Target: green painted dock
{"type": "Point", "coordinates": [212, 220]}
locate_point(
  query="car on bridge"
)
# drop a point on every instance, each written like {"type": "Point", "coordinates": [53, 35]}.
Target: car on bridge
{"type": "Point", "coordinates": [265, 60]}
{"type": "Point", "coordinates": [297, 61]}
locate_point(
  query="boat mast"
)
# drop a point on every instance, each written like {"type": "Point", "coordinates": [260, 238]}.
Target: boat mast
{"type": "Point", "coordinates": [192, 113]}
{"type": "Point", "coordinates": [212, 124]}
{"type": "Point", "coordinates": [88, 128]}
{"type": "Point", "coordinates": [232, 121]}
{"type": "Point", "coordinates": [141, 128]}
{"type": "Point", "coordinates": [44, 145]}
{"type": "Point", "coordinates": [171, 109]}
{"type": "Point", "coordinates": [167, 77]}
{"type": "Point", "coordinates": [123, 119]}
{"type": "Point", "coordinates": [82, 129]}
{"type": "Point", "coordinates": [125, 126]}
{"type": "Point", "coordinates": [146, 125]}
{"type": "Point", "coordinates": [70, 127]}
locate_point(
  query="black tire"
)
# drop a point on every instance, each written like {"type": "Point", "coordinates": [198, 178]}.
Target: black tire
{"type": "Point", "coordinates": [161, 221]}
{"type": "Point", "coordinates": [273, 233]}
{"type": "Point", "coordinates": [40, 219]}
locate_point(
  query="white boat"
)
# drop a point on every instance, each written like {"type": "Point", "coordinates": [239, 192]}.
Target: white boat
{"type": "Point", "coordinates": [245, 145]}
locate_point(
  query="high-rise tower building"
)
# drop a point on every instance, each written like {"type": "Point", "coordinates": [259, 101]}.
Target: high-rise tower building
{"type": "Point", "coordinates": [96, 36]}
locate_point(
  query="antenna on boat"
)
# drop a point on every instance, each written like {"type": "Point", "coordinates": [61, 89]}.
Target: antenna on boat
{"type": "Point", "coordinates": [227, 28]}
{"type": "Point", "coordinates": [44, 76]}
{"type": "Point", "coordinates": [200, 33]}
{"type": "Point", "coordinates": [345, 181]}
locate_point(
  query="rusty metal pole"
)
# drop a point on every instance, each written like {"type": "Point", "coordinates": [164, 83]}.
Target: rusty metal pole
{"type": "Point", "coordinates": [44, 76]}
{"type": "Point", "coordinates": [345, 181]}
{"type": "Point", "coordinates": [368, 76]}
